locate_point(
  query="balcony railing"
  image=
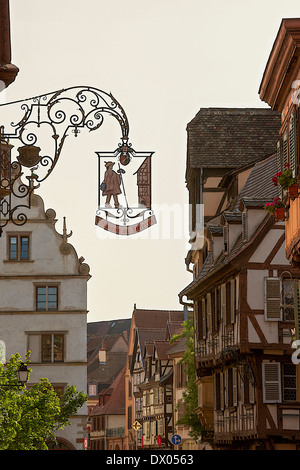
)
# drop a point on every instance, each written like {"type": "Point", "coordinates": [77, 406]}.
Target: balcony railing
{"type": "Point", "coordinates": [115, 432]}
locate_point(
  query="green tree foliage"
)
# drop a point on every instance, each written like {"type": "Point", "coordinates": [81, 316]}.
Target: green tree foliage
{"type": "Point", "coordinates": [30, 417]}
{"type": "Point", "coordinates": [190, 395]}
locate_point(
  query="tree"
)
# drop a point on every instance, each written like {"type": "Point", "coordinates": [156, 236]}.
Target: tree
{"type": "Point", "coordinates": [190, 395]}
{"type": "Point", "coordinates": [30, 417]}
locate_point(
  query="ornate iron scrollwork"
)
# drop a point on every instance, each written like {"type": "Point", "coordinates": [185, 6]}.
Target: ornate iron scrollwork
{"type": "Point", "coordinates": [50, 118]}
{"type": "Point", "coordinates": [243, 364]}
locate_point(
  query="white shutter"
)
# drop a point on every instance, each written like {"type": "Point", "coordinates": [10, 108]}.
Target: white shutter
{"type": "Point", "coordinates": [271, 382]}
{"type": "Point", "coordinates": [273, 299]}
{"type": "Point", "coordinates": [34, 345]}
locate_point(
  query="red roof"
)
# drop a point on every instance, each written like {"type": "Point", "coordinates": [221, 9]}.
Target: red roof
{"type": "Point", "coordinates": [116, 401]}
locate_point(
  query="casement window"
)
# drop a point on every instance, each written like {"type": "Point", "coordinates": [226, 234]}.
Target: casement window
{"type": "Point", "coordinates": [247, 389]}
{"type": "Point", "coordinates": [46, 298]}
{"type": "Point", "coordinates": [279, 382]}
{"type": "Point", "coordinates": [160, 427]}
{"type": "Point", "coordinates": [181, 377]}
{"type": "Point", "coordinates": [47, 347]}
{"type": "Point", "coordinates": [92, 390]}
{"type": "Point", "coordinates": [18, 247]}
{"type": "Point", "coordinates": [287, 146]}
{"type": "Point", "coordinates": [289, 382]}
{"type": "Point", "coordinates": [279, 299]}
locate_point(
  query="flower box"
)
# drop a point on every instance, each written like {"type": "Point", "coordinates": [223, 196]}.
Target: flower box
{"type": "Point", "coordinates": [293, 190]}
{"type": "Point", "coordinates": [279, 213]}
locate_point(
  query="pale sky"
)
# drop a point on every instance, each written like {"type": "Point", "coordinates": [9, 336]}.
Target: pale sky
{"type": "Point", "coordinates": [163, 60]}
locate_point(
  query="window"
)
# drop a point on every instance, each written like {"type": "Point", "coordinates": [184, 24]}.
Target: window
{"type": "Point", "coordinates": [52, 348]}
{"type": "Point", "coordinates": [18, 247]}
{"type": "Point", "coordinates": [46, 298]}
{"type": "Point", "coordinates": [289, 382]}
{"type": "Point", "coordinates": [279, 299]}
{"type": "Point", "coordinates": [288, 299]}
{"type": "Point", "coordinates": [46, 347]}
{"type": "Point", "coordinates": [92, 390]}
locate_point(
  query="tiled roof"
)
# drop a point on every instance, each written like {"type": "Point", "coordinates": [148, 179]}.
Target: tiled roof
{"type": "Point", "coordinates": [162, 348]}
{"type": "Point", "coordinates": [257, 190]}
{"type": "Point", "coordinates": [116, 402]}
{"type": "Point", "coordinates": [180, 347]}
{"type": "Point", "coordinates": [259, 184]}
{"type": "Point", "coordinates": [231, 137]}
{"type": "Point", "coordinates": [155, 318]}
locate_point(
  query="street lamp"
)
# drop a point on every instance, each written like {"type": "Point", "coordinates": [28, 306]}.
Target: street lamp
{"type": "Point", "coordinates": [22, 374]}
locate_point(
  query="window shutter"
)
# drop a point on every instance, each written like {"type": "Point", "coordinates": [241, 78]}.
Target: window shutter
{"type": "Point", "coordinates": [272, 299]}
{"type": "Point", "coordinates": [285, 150]}
{"type": "Point", "coordinates": [233, 300]}
{"type": "Point", "coordinates": [271, 382]}
{"type": "Point", "coordinates": [209, 322]}
{"type": "Point", "coordinates": [203, 319]}
{"type": "Point", "coordinates": [34, 345]}
{"type": "Point", "coordinates": [223, 303]}
{"type": "Point", "coordinates": [234, 387]}
{"type": "Point", "coordinates": [297, 308]}
{"type": "Point", "coordinates": [279, 155]}
{"type": "Point", "coordinates": [251, 392]}
{"type": "Point", "coordinates": [226, 387]}
{"type": "Point", "coordinates": [292, 144]}
{"type": "Point", "coordinates": [222, 391]}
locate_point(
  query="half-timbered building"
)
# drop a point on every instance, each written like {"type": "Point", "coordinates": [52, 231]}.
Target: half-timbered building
{"type": "Point", "coordinates": [243, 303]}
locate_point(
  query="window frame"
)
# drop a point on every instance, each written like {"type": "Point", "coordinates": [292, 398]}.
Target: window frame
{"type": "Point", "coordinates": [19, 251]}
{"type": "Point", "coordinates": [46, 286]}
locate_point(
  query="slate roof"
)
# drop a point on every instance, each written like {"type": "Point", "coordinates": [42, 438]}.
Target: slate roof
{"type": "Point", "coordinates": [232, 137]}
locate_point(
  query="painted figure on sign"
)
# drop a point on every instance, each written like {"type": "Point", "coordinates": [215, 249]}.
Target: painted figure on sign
{"type": "Point", "coordinates": [112, 182]}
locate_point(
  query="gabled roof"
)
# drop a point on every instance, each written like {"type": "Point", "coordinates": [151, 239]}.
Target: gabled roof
{"type": "Point", "coordinates": [257, 190]}
{"type": "Point", "coordinates": [231, 137]}
{"type": "Point", "coordinates": [116, 401]}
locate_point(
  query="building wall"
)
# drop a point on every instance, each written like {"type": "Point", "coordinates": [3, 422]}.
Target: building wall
{"type": "Point", "coordinates": [52, 261]}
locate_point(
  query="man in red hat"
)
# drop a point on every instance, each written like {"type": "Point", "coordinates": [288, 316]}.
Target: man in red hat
{"type": "Point", "coordinates": [112, 181]}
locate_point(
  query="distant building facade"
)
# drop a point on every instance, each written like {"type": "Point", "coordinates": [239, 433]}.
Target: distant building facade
{"type": "Point", "coordinates": [43, 291]}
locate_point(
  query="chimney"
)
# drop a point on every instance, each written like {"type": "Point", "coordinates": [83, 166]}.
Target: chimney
{"type": "Point", "coordinates": [125, 336]}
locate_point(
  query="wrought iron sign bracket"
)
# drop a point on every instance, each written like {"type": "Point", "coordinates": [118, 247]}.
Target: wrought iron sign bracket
{"type": "Point", "coordinates": [44, 124]}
